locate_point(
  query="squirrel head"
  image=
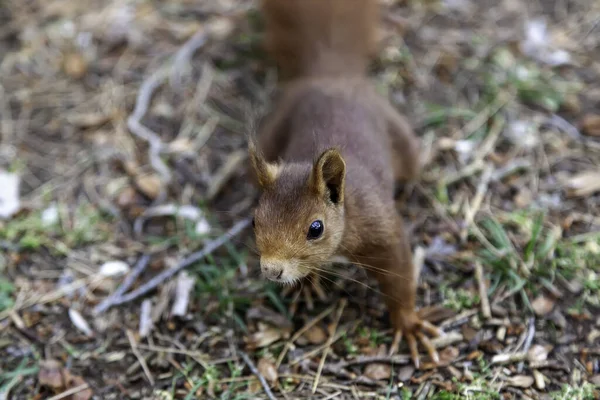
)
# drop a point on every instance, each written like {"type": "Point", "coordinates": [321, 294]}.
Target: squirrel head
{"type": "Point", "coordinates": [299, 219]}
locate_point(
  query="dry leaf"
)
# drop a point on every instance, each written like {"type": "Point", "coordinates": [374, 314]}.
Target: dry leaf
{"type": "Point", "coordinates": [378, 372]}
{"type": "Point", "coordinates": [590, 125]}
{"type": "Point", "coordinates": [540, 382]}
{"type": "Point", "coordinates": [583, 184]}
{"type": "Point", "coordinates": [79, 322]}
{"type": "Point", "coordinates": [406, 373]}
{"type": "Point", "coordinates": [315, 335]}
{"type": "Point", "coordinates": [150, 185]}
{"type": "Point", "coordinates": [268, 370]}
{"type": "Point", "coordinates": [542, 305]}
{"type": "Point", "coordinates": [264, 338]}
{"type": "Point", "coordinates": [50, 374]}
{"type": "Point", "coordinates": [538, 353]}
{"type": "Point", "coordinates": [520, 381]}
{"type": "Point", "coordinates": [89, 120]}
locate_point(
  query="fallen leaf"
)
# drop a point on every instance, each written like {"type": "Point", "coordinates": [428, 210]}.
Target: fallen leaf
{"type": "Point", "coordinates": [520, 381]}
{"type": "Point", "coordinates": [582, 184]}
{"type": "Point", "coordinates": [378, 371]}
{"type": "Point", "coordinates": [406, 373]}
{"type": "Point", "coordinates": [315, 335]}
{"type": "Point", "coordinates": [268, 370]}
{"type": "Point", "coordinates": [79, 322]}
{"type": "Point", "coordinates": [538, 353]}
{"type": "Point", "coordinates": [150, 185]}
{"type": "Point", "coordinates": [264, 337]}
{"type": "Point", "coordinates": [89, 120]}
{"type": "Point", "coordinates": [114, 268]}
{"type": "Point", "coordinates": [9, 195]}
{"type": "Point", "coordinates": [540, 382]}
{"type": "Point", "coordinates": [542, 305]}
{"type": "Point", "coordinates": [50, 374]}
{"type": "Point", "coordinates": [590, 125]}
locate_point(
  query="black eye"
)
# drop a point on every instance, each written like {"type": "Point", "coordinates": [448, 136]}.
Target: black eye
{"type": "Point", "coordinates": [253, 223]}
{"type": "Point", "coordinates": [315, 230]}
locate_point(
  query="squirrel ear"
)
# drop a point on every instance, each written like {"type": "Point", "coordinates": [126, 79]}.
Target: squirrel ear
{"type": "Point", "coordinates": [265, 172]}
{"type": "Point", "coordinates": [329, 175]}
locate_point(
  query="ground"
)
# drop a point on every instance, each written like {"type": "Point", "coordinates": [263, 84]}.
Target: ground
{"type": "Point", "coordinates": [125, 123]}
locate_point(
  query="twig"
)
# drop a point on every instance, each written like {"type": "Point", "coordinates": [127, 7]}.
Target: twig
{"type": "Point", "coordinates": [184, 55]}
{"type": "Point", "coordinates": [127, 282]}
{"type": "Point", "coordinates": [528, 341]}
{"type": "Point", "coordinates": [299, 333]}
{"type": "Point", "coordinates": [257, 373]}
{"type": "Point", "coordinates": [485, 302]}
{"type": "Point", "coordinates": [476, 205]}
{"type": "Point", "coordinates": [70, 392]}
{"type": "Point", "coordinates": [139, 356]}
{"type": "Point", "coordinates": [329, 342]}
{"type": "Point", "coordinates": [167, 274]}
{"type": "Point", "coordinates": [137, 128]}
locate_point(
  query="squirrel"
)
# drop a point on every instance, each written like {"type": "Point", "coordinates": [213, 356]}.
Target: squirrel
{"type": "Point", "coordinates": [328, 156]}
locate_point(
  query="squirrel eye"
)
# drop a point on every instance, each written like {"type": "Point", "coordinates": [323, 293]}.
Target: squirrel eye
{"type": "Point", "coordinates": [253, 223]}
{"type": "Point", "coordinates": [315, 230]}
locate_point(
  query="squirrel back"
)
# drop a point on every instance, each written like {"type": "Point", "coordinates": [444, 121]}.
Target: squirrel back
{"type": "Point", "coordinates": [316, 38]}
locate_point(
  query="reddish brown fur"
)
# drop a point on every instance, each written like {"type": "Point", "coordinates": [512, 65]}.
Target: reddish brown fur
{"type": "Point", "coordinates": [332, 133]}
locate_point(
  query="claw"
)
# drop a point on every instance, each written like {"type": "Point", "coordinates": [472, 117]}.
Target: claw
{"type": "Point", "coordinates": [412, 346]}
{"type": "Point", "coordinates": [431, 329]}
{"type": "Point", "coordinates": [429, 347]}
{"type": "Point", "coordinates": [396, 342]}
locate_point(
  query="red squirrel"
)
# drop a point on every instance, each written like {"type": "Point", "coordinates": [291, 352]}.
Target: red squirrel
{"type": "Point", "coordinates": [328, 156]}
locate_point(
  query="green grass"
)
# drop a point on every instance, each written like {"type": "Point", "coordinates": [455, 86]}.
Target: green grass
{"type": "Point", "coordinates": [83, 225]}
{"type": "Point", "coordinates": [523, 250]}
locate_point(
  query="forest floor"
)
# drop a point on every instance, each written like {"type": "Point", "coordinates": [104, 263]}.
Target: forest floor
{"type": "Point", "coordinates": [123, 149]}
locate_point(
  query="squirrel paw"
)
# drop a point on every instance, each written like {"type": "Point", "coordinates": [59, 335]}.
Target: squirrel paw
{"type": "Point", "coordinates": [414, 329]}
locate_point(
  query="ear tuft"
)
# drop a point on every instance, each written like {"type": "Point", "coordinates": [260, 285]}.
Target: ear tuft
{"type": "Point", "coordinates": [329, 175]}
{"type": "Point", "coordinates": [265, 172]}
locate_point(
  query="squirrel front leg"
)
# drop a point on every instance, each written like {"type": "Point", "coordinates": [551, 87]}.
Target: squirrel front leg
{"type": "Point", "coordinates": [395, 272]}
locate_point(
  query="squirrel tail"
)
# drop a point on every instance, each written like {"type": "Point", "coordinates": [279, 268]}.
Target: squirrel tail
{"type": "Point", "coordinates": [310, 38]}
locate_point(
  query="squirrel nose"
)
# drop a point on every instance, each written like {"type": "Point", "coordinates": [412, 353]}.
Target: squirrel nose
{"type": "Point", "coordinates": [272, 270]}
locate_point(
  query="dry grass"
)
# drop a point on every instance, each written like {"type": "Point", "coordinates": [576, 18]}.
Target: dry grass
{"type": "Point", "coordinates": [125, 123]}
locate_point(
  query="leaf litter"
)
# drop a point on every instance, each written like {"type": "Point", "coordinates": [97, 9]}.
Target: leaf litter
{"type": "Point", "coordinates": [502, 112]}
